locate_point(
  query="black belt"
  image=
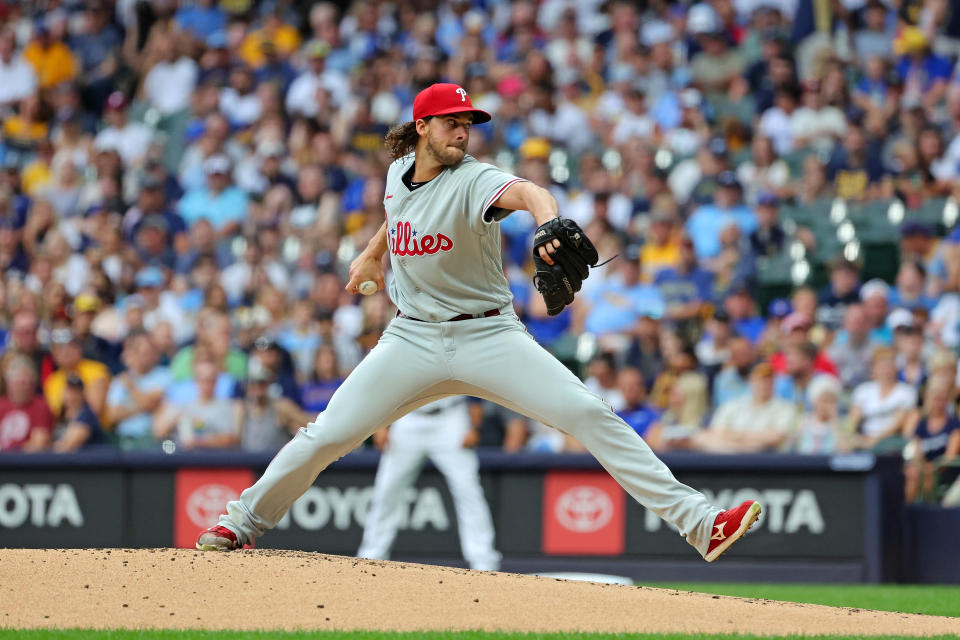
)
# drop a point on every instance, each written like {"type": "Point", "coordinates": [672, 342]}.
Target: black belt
{"type": "Point", "coordinates": [462, 316]}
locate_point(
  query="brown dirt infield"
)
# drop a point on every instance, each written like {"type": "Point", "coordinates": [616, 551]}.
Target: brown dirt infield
{"type": "Point", "coordinates": [259, 589]}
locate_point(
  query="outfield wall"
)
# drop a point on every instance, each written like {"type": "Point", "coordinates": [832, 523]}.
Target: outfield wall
{"type": "Point", "coordinates": [834, 518]}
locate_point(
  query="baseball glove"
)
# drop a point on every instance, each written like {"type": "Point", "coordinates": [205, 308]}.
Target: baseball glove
{"type": "Point", "coordinates": [558, 283]}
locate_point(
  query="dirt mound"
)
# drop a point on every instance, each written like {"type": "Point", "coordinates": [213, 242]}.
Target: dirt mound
{"type": "Point", "coordinates": [177, 589]}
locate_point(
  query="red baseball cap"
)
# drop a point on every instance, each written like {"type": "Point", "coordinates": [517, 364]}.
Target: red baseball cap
{"type": "Point", "coordinates": [443, 98]}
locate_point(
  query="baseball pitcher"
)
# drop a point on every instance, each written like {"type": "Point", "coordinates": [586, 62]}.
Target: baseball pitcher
{"type": "Point", "coordinates": [456, 332]}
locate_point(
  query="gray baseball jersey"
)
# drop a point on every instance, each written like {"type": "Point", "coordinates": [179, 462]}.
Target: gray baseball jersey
{"type": "Point", "coordinates": [444, 246]}
{"type": "Point", "coordinates": [444, 249]}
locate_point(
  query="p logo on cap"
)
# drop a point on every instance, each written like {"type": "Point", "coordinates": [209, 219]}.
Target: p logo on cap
{"type": "Point", "coordinates": [444, 98]}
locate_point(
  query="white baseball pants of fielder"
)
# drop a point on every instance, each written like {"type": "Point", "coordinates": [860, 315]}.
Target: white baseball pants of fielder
{"type": "Point", "coordinates": [438, 436]}
{"type": "Point", "coordinates": [493, 358]}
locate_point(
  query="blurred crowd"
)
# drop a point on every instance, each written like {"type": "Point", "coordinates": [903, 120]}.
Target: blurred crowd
{"type": "Point", "coordinates": [184, 184]}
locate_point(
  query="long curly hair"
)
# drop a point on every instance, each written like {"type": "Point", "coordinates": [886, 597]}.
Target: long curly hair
{"type": "Point", "coordinates": [402, 139]}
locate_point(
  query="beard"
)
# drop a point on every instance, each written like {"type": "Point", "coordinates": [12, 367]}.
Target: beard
{"type": "Point", "coordinates": [446, 155]}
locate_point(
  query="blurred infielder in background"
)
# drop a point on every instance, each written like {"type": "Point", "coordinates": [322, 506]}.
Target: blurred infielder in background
{"type": "Point", "coordinates": [442, 432]}
{"type": "Point", "coordinates": [456, 332]}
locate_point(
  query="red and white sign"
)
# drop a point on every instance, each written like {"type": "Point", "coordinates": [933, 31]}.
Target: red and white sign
{"type": "Point", "coordinates": [583, 514]}
{"type": "Point", "coordinates": [201, 495]}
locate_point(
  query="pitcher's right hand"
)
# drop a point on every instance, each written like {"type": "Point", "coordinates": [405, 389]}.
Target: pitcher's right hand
{"type": "Point", "coordinates": [365, 267]}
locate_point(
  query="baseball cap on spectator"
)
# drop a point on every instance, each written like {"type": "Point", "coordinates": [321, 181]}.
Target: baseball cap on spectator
{"type": "Point", "coordinates": [63, 336]}
{"type": "Point", "coordinates": [511, 86]}
{"type": "Point", "coordinates": [762, 369]}
{"type": "Point", "coordinates": [155, 221]}
{"type": "Point", "coordinates": [134, 301]}
{"type": "Point", "coordinates": [149, 277]}
{"type": "Point", "coordinates": [317, 49]}
{"type": "Point", "coordinates": [74, 381]}
{"type": "Point", "coordinates": [151, 182]}
{"type": "Point", "coordinates": [691, 99]}
{"type": "Point", "coordinates": [779, 308]}
{"type": "Point", "coordinates": [116, 101]}
{"type": "Point", "coordinates": [217, 40]}
{"type": "Point", "coordinates": [217, 163]}
{"type": "Point", "coordinates": [445, 98]}
{"type": "Point", "coordinates": [910, 40]}
{"type": "Point", "coordinates": [823, 383]}
{"type": "Point", "coordinates": [914, 228]}
{"type": "Point", "coordinates": [257, 371]}
{"type": "Point", "coordinates": [11, 160]}
{"type": "Point", "coordinates": [86, 303]}
{"type": "Point", "coordinates": [717, 146]}
{"type": "Point", "coordinates": [728, 179]}
{"type": "Point", "coordinates": [632, 252]}
{"type": "Point", "coordinates": [874, 287]}
{"type": "Point", "coordinates": [767, 199]}
{"type": "Point", "coordinates": [622, 73]}
{"type": "Point", "coordinates": [94, 209]}
{"type": "Point", "coordinates": [474, 21]}
{"type": "Point", "coordinates": [900, 319]}
{"type": "Point", "coordinates": [476, 70]}
{"type": "Point", "coordinates": [795, 321]}
{"type": "Point", "coordinates": [657, 32]}
{"type": "Point", "coordinates": [911, 102]}
{"type": "Point", "coordinates": [535, 149]}
{"type": "Point", "coordinates": [738, 287]}
{"type": "Point", "coordinates": [720, 315]}
{"type": "Point", "coordinates": [661, 215]}
{"type": "Point", "coordinates": [271, 149]}
{"type": "Point", "coordinates": [702, 19]}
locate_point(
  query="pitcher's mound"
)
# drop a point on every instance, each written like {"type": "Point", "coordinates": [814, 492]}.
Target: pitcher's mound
{"type": "Point", "coordinates": [178, 589]}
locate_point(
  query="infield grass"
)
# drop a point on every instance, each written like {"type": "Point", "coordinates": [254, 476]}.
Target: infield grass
{"type": "Point", "coordinates": [934, 600]}
{"type": "Point", "coordinates": [84, 634]}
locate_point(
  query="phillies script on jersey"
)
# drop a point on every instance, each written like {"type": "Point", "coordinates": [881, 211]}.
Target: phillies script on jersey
{"type": "Point", "coordinates": [405, 242]}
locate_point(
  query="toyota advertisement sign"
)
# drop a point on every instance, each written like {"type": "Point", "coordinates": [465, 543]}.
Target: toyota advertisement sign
{"type": "Point", "coordinates": [812, 512]}
{"type": "Point", "coordinates": [41, 509]}
{"type": "Point", "coordinates": [583, 514]}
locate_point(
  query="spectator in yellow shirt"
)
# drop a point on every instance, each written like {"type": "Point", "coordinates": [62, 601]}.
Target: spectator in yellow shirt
{"type": "Point", "coordinates": [27, 128]}
{"type": "Point", "coordinates": [661, 248]}
{"type": "Point", "coordinates": [284, 37]}
{"type": "Point", "coordinates": [51, 58]}
{"type": "Point", "coordinates": [68, 356]}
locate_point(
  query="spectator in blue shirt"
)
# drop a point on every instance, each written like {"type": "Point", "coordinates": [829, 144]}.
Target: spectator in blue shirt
{"type": "Point", "coordinates": [617, 304]}
{"type": "Point", "coordinates": [924, 74]}
{"type": "Point", "coordinates": [201, 19]}
{"type": "Point", "coordinates": [741, 308]}
{"type": "Point", "coordinates": [635, 411]}
{"type": "Point", "coordinates": [706, 223]}
{"type": "Point", "coordinates": [733, 381]}
{"type": "Point", "coordinates": [801, 367]}
{"type": "Point", "coordinates": [219, 202]}
{"type": "Point", "coordinates": [875, 295]}
{"type": "Point", "coordinates": [686, 287]}
{"type": "Point", "coordinates": [135, 395]}
{"type": "Point", "coordinates": [326, 379]}
{"type": "Point", "coordinates": [910, 290]}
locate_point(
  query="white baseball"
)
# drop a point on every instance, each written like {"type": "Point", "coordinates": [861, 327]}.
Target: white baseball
{"type": "Point", "coordinates": [367, 288]}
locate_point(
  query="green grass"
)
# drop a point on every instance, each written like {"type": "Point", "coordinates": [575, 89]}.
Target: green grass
{"type": "Point", "coordinates": [82, 634]}
{"type": "Point", "coordinates": [935, 600]}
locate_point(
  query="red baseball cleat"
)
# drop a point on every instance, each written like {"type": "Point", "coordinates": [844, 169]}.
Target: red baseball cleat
{"type": "Point", "coordinates": [218, 538]}
{"type": "Point", "coordinates": [730, 526]}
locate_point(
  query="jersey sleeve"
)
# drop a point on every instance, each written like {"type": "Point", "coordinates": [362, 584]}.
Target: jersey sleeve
{"type": "Point", "coordinates": [483, 184]}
